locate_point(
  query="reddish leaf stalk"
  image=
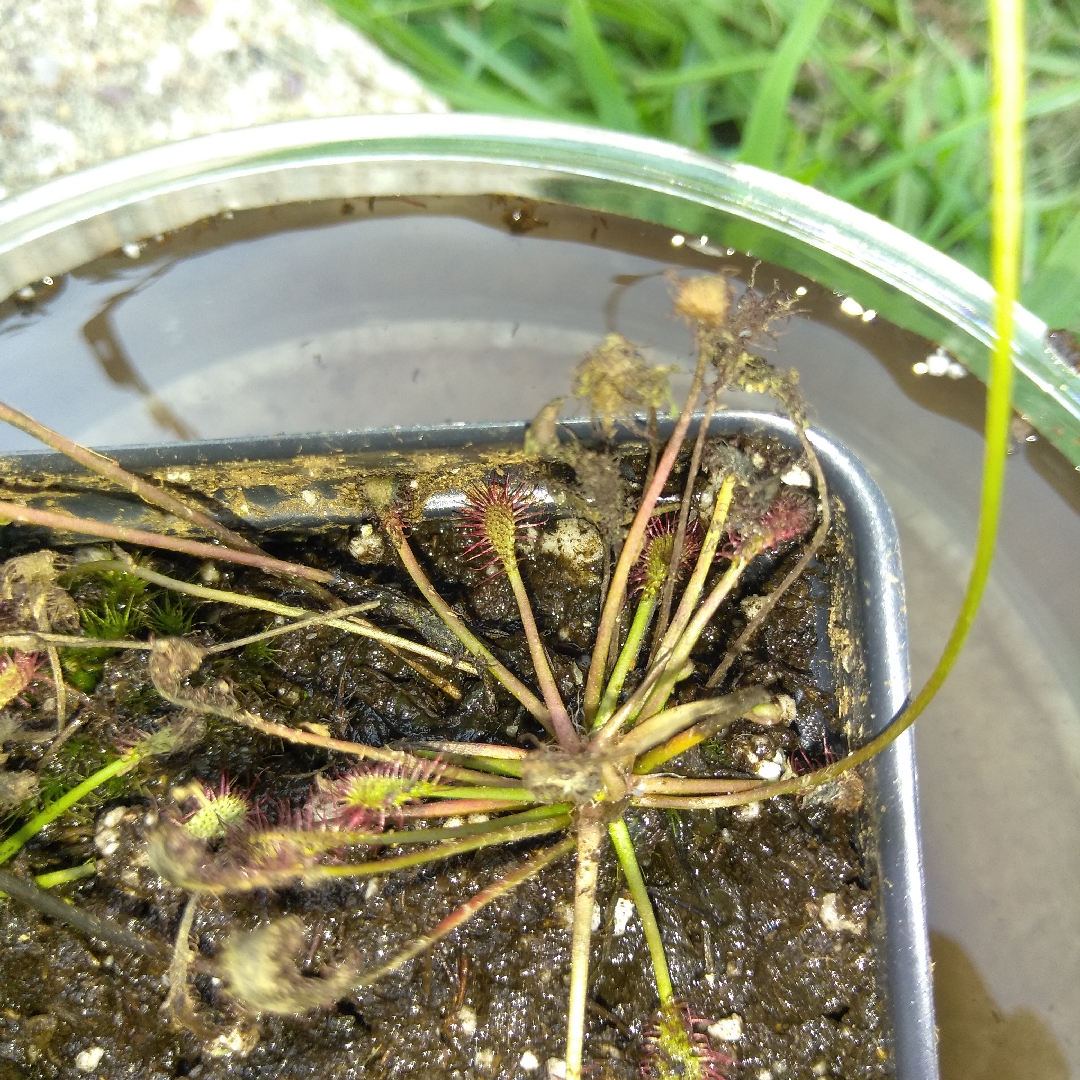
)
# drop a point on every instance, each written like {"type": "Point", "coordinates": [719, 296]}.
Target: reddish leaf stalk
{"type": "Point", "coordinates": [87, 527]}
{"type": "Point", "coordinates": [467, 638]}
{"type": "Point", "coordinates": [635, 541]}
{"type": "Point", "coordinates": [530, 868]}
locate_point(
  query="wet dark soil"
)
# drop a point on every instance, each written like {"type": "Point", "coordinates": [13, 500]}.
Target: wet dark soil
{"type": "Point", "coordinates": [768, 912]}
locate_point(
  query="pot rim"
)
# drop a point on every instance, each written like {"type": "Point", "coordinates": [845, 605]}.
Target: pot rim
{"type": "Point", "coordinates": [878, 611]}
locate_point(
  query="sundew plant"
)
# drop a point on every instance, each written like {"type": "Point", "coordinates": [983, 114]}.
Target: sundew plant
{"type": "Point", "coordinates": [668, 571]}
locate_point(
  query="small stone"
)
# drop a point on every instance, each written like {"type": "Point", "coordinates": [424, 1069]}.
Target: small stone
{"type": "Point", "coordinates": [367, 545]}
{"type": "Point", "coordinates": [624, 908]}
{"type": "Point", "coordinates": [132, 251]}
{"type": "Point", "coordinates": [729, 1029]}
{"type": "Point", "coordinates": [747, 812]}
{"type": "Point", "coordinates": [88, 1060]}
{"type": "Point", "coordinates": [529, 1061]}
{"type": "Point", "coordinates": [466, 1021]}
{"type": "Point", "coordinates": [556, 1068]}
{"type": "Point", "coordinates": [240, 1040]}
{"type": "Point", "coordinates": [574, 541]}
{"type": "Point", "coordinates": [751, 605]}
{"type": "Point", "coordinates": [834, 920]}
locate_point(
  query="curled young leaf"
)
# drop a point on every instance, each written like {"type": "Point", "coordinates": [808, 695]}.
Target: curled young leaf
{"type": "Point", "coordinates": [171, 661]}
{"type": "Point", "coordinates": [542, 435]}
{"type": "Point", "coordinates": [261, 971]}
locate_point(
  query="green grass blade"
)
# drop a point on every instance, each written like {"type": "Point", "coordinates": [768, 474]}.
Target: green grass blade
{"type": "Point", "coordinates": [764, 127]}
{"type": "Point", "coordinates": [1045, 104]}
{"type": "Point", "coordinates": [1007, 110]}
{"type": "Point", "coordinates": [510, 73]}
{"type": "Point", "coordinates": [605, 89]}
{"type": "Point", "coordinates": [706, 28]}
{"type": "Point", "coordinates": [1054, 292]}
{"type": "Point", "coordinates": [1007, 211]}
{"type": "Point", "coordinates": [702, 73]}
{"type": "Point", "coordinates": [433, 64]}
{"type": "Point", "coordinates": [688, 125]}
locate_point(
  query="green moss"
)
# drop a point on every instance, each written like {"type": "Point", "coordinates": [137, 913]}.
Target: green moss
{"type": "Point", "coordinates": [171, 615]}
{"type": "Point", "coordinates": [258, 654]}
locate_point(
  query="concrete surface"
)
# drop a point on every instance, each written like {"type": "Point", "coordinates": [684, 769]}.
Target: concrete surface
{"type": "Point", "coordinates": [83, 81]}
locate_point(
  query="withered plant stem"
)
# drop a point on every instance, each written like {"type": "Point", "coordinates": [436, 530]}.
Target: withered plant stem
{"type": "Point", "coordinates": [319, 619]}
{"type": "Point", "coordinates": [342, 619]}
{"type": "Point", "coordinates": [467, 638]}
{"type": "Point", "coordinates": [149, 493]}
{"type": "Point", "coordinates": [178, 1005]}
{"type": "Point", "coordinates": [33, 640]}
{"type": "Point", "coordinates": [58, 684]}
{"type": "Point", "coordinates": [510, 881]}
{"type": "Point", "coordinates": [635, 541]}
{"type": "Point", "coordinates": [110, 470]}
{"type": "Point", "coordinates": [310, 738]}
{"type": "Point", "coordinates": [51, 519]}
{"type": "Point", "coordinates": [590, 835]}
{"type": "Point", "coordinates": [56, 908]}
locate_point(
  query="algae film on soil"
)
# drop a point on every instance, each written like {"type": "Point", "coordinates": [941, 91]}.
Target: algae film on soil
{"type": "Point", "coordinates": [470, 784]}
